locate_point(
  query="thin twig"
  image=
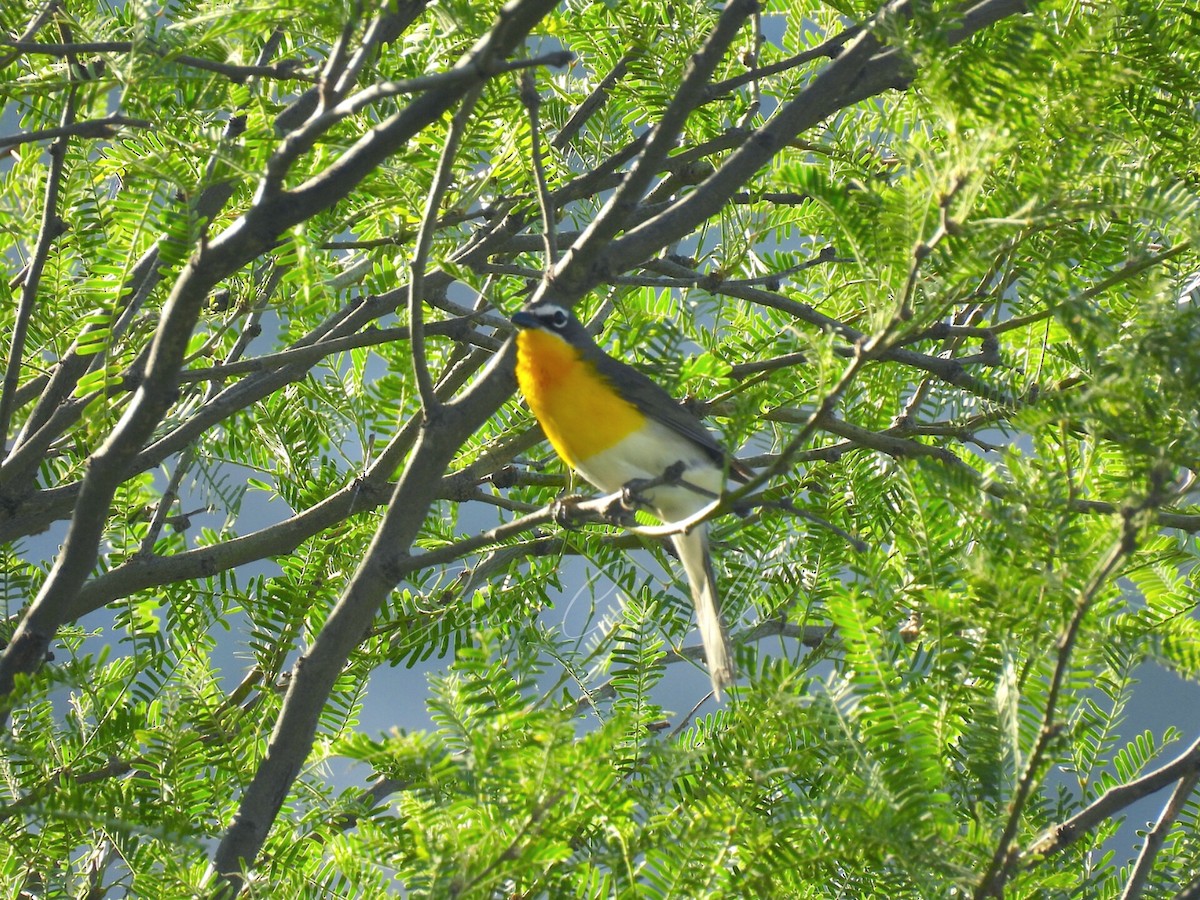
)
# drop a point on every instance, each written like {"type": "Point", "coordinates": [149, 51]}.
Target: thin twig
{"type": "Point", "coordinates": [438, 80]}
{"type": "Point", "coordinates": [686, 719]}
{"type": "Point", "coordinates": [1112, 801]}
{"type": "Point", "coordinates": [910, 414]}
{"type": "Point", "coordinates": [774, 279]}
{"type": "Point", "coordinates": [739, 371]}
{"type": "Point", "coordinates": [1158, 834]}
{"type": "Point", "coordinates": [924, 249]}
{"type": "Point", "coordinates": [1124, 273]}
{"type": "Point", "coordinates": [340, 69]}
{"type": "Point", "coordinates": [750, 59]}
{"type": "Point", "coordinates": [51, 228]}
{"type": "Point", "coordinates": [93, 128]}
{"type": "Point", "coordinates": [291, 70]}
{"type": "Point", "coordinates": [1004, 860]}
{"type": "Point", "coordinates": [951, 371]}
{"type": "Point", "coordinates": [163, 508]}
{"type": "Point", "coordinates": [416, 296]}
{"type": "Point", "coordinates": [402, 235]}
{"type": "Point", "coordinates": [593, 101]}
{"type": "Point", "coordinates": [458, 329]}
{"type": "Point", "coordinates": [305, 134]}
{"type": "Point", "coordinates": [35, 25]}
{"type": "Point", "coordinates": [826, 49]}
{"type": "Point", "coordinates": [531, 102]}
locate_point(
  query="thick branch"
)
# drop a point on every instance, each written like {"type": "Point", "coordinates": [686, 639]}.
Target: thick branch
{"type": "Point", "coordinates": [106, 470]}
{"type": "Point", "coordinates": [575, 275]}
{"type": "Point", "coordinates": [859, 72]}
{"type": "Point", "coordinates": [315, 673]}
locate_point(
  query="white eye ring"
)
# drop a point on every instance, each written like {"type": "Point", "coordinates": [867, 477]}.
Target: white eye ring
{"type": "Point", "coordinates": [558, 318]}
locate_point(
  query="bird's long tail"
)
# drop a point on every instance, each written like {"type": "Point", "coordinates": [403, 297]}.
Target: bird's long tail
{"type": "Point", "coordinates": [697, 564]}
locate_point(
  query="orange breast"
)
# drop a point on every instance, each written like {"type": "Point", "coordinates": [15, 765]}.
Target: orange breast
{"type": "Point", "coordinates": [579, 411]}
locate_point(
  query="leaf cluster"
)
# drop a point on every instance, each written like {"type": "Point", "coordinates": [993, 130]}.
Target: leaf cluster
{"type": "Point", "coordinates": [953, 315]}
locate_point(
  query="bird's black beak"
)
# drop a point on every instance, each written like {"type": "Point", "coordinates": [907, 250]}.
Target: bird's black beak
{"type": "Point", "coordinates": [524, 319]}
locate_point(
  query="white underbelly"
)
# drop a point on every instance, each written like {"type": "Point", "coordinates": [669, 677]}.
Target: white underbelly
{"type": "Point", "coordinates": [647, 454]}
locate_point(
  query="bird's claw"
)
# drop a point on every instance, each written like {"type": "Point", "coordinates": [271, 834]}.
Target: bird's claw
{"type": "Point", "coordinates": [562, 511]}
{"type": "Point", "coordinates": [631, 493]}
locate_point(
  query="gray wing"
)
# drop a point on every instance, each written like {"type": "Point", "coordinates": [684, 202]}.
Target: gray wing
{"type": "Point", "coordinates": [655, 402]}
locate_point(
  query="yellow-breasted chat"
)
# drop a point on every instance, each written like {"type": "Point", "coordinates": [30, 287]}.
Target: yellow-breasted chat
{"type": "Point", "coordinates": [613, 425]}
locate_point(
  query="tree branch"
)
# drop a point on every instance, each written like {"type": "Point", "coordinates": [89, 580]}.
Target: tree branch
{"type": "Point", "coordinates": [531, 102]}
{"type": "Point", "coordinates": [93, 128]}
{"type": "Point", "coordinates": [392, 21]}
{"type": "Point", "coordinates": [438, 80]}
{"type": "Point", "coordinates": [858, 72]}
{"type": "Point", "coordinates": [592, 101]}
{"type": "Point", "coordinates": [288, 70]}
{"type": "Point", "coordinates": [1158, 834]}
{"type": "Point", "coordinates": [577, 268]}
{"type": "Point", "coordinates": [1108, 804]}
{"type": "Point", "coordinates": [315, 673]}
{"type": "Point", "coordinates": [1004, 860]}
{"type": "Point", "coordinates": [950, 370]}
{"type": "Point", "coordinates": [458, 329]}
{"type": "Point", "coordinates": [51, 227]}
{"type": "Point", "coordinates": [416, 296]}
{"type": "Point", "coordinates": [36, 24]}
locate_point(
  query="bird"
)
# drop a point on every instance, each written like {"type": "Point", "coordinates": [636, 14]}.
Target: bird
{"type": "Point", "coordinates": [616, 427]}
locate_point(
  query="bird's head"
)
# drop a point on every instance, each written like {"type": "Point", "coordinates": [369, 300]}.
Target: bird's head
{"type": "Point", "coordinates": [553, 319]}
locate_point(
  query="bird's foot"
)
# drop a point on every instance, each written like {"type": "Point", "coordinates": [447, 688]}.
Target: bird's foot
{"type": "Point", "coordinates": [562, 511]}
{"type": "Point", "coordinates": [633, 491]}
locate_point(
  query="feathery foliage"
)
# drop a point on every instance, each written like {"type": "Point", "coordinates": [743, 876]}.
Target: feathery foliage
{"type": "Point", "coordinates": [931, 264]}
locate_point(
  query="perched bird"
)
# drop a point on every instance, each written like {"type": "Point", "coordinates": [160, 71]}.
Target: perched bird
{"type": "Point", "coordinates": [614, 426]}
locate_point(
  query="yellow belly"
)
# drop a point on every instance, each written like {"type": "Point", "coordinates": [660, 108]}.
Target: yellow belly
{"type": "Point", "coordinates": [579, 411]}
